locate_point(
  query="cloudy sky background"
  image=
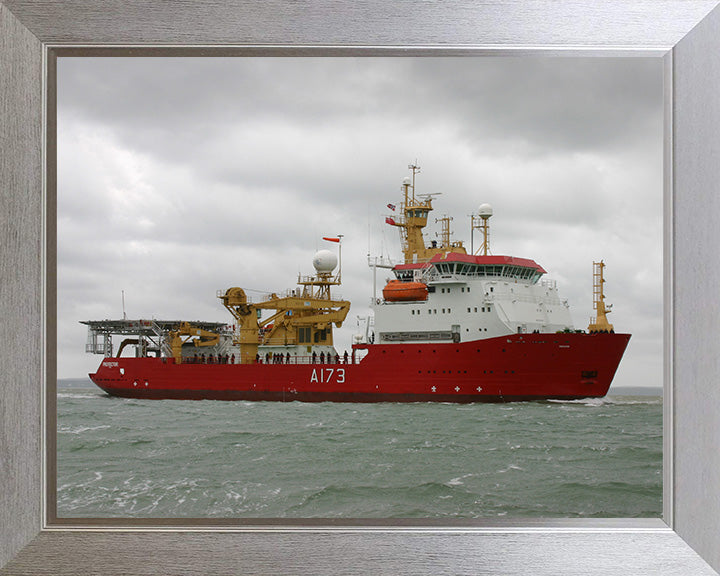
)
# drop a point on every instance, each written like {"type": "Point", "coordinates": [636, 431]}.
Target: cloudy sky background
{"type": "Point", "coordinates": [181, 177]}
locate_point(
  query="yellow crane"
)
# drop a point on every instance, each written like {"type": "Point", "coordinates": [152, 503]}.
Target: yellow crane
{"type": "Point", "coordinates": [198, 336]}
{"type": "Point", "coordinates": [303, 317]}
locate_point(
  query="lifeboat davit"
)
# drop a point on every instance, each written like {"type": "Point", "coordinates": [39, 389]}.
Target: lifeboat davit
{"type": "Point", "coordinates": [397, 291]}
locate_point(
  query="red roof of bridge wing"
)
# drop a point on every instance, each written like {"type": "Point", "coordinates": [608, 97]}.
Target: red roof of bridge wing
{"type": "Point", "coordinates": [487, 260]}
{"type": "Point", "coordinates": [472, 259]}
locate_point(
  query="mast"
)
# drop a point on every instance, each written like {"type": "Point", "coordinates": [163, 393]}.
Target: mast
{"type": "Point", "coordinates": [412, 221]}
{"type": "Point", "coordinates": [600, 323]}
{"type": "Point", "coordinates": [481, 222]}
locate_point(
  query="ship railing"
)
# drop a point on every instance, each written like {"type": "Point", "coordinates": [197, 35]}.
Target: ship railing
{"type": "Point", "coordinates": [278, 358]}
{"type": "Point", "coordinates": [519, 297]}
{"type": "Point", "coordinates": [165, 348]}
{"type": "Point", "coordinates": [338, 360]}
{"type": "Point", "coordinates": [94, 344]}
{"type": "Point", "coordinates": [381, 262]}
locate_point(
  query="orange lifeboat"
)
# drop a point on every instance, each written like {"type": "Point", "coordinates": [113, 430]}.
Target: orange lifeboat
{"type": "Point", "coordinates": [397, 291]}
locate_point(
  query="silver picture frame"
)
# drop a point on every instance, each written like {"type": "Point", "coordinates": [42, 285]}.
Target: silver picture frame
{"type": "Point", "coordinates": [684, 33]}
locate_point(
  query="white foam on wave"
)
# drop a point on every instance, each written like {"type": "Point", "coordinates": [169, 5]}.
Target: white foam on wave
{"type": "Point", "coordinates": [80, 396]}
{"type": "Point", "coordinates": [511, 467]}
{"type": "Point", "coordinates": [457, 481]}
{"type": "Point", "coordinates": [81, 429]}
{"type": "Point", "coordinates": [593, 402]}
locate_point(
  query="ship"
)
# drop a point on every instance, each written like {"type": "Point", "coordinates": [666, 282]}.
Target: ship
{"type": "Point", "coordinates": [450, 325]}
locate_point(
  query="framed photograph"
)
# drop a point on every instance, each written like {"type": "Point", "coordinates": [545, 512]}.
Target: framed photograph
{"type": "Point", "coordinates": [176, 193]}
{"type": "Point", "coordinates": [683, 36]}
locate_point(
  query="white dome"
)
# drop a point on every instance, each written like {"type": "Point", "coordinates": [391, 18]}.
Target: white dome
{"type": "Point", "coordinates": [485, 211]}
{"type": "Point", "coordinates": [324, 261]}
{"type": "Point", "coordinates": [406, 181]}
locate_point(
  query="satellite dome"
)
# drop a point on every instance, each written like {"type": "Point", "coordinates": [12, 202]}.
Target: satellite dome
{"type": "Point", "coordinates": [324, 261]}
{"type": "Point", "coordinates": [406, 181]}
{"type": "Point", "coordinates": [484, 210]}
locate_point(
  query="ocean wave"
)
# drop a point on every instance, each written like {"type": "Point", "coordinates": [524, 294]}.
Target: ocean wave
{"type": "Point", "coordinates": [595, 402]}
{"type": "Point", "coordinates": [612, 401]}
{"type": "Point", "coordinates": [81, 396]}
{"type": "Point", "coordinates": [80, 429]}
{"type": "Point", "coordinates": [273, 460]}
{"type": "Point", "coordinates": [458, 481]}
{"type": "Point", "coordinates": [511, 467]}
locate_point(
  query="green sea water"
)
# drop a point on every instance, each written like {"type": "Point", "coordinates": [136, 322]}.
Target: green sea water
{"type": "Point", "coordinates": [124, 458]}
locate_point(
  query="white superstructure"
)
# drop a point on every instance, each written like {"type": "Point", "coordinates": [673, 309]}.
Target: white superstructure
{"type": "Point", "coordinates": [470, 298]}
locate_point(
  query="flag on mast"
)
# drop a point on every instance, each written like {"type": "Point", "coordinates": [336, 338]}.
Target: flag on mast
{"type": "Point", "coordinates": [331, 239]}
{"type": "Point", "coordinates": [390, 221]}
{"type": "Point", "coordinates": [391, 206]}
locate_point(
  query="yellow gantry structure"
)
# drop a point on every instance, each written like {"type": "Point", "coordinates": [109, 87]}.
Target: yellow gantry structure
{"type": "Point", "coordinates": [198, 336]}
{"type": "Point", "coordinates": [600, 323]}
{"type": "Point", "coordinates": [413, 218]}
{"type": "Point", "coordinates": [303, 316]}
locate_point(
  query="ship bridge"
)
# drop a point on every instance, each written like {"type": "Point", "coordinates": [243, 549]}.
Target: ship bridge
{"type": "Point", "coordinates": [454, 265]}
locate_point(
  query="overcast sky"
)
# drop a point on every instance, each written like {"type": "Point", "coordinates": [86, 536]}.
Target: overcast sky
{"type": "Point", "coordinates": [179, 177]}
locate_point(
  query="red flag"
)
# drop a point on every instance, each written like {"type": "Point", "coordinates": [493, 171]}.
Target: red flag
{"type": "Point", "coordinates": [331, 239]}
{"type": "Point", "coordinates": [392, 207]}
{"type": "Point", "coordinates": [390, 221]}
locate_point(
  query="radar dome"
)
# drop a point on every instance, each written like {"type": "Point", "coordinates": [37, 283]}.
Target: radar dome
{"type": "Point", "coordinates": [484, 210]}
{"type": "Point", "coordinates": [324, 261]}
{"type": "Point", "coordinates": [406, 181]}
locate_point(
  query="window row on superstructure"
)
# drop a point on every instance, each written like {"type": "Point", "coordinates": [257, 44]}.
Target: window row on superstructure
{"type": "Point", "coordinates": [478, 270]}
{"type": "Point", "coordinates": [471, 309]}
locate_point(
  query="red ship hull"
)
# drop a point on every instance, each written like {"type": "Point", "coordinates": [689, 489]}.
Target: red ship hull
{"type": "Point", "coordinates": [510, 368]}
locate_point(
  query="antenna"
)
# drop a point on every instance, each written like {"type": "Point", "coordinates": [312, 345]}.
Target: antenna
{"type": "Point", "coordinates": [415, 170]}
{"type": "Point", "coordinates": [481, 221]}
{"type": "Point", "coordinates": [123, 304]}
{"type": "Point", "coordinates": [339, 274]}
